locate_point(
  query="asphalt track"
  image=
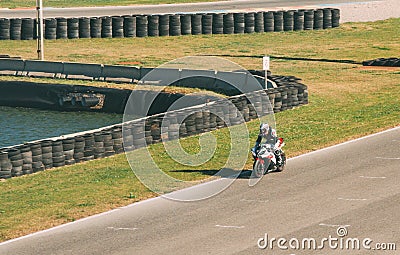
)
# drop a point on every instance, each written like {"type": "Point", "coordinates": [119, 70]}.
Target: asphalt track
{"type": "Point", "coordinates": [222, 6]}
{"type": "Point", "coordinates": [354, 185]}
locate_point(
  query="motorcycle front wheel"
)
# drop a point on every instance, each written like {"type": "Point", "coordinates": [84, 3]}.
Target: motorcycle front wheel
{"type": "Point", "coordinates": [258, 169]}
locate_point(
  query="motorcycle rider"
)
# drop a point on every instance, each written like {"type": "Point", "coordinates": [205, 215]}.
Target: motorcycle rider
{"type": "Point", "coordinates": [270, 136]}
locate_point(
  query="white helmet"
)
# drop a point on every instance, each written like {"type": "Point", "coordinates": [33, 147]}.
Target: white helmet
{"type": "Point", "coordinates": [264, 129]}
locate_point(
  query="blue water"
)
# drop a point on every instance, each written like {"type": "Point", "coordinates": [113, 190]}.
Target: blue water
{"type": "Point", "coordinates": [19, 125]}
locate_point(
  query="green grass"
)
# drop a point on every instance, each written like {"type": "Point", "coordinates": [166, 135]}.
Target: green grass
{"type": "Point", "coordinates": [345, 102]}
{"type": "Point", "coordinates": [85, 3]}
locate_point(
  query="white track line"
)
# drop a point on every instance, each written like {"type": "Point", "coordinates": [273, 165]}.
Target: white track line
{"type": "Point", "coordinates": [352, 199]}
{"type": "Point", "coordinates": [222, 226]}
{"type": "Point", "coordinates": [373, 177]}
{"type": "Point", "coordinates": [386, 158]}
{"type": "Point", "coordinates": [333, 225]}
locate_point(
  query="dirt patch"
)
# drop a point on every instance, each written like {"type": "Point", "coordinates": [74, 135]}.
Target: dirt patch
{"type": "Point", "coordinates": [136, 63]}
{"type": "Point", "coordinates": [379, 68]}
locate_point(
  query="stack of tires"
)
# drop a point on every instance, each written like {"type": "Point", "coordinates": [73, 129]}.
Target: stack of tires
{"type": "Point", "coordinates": [62, 28]}
{"type": "Point", "coordinates": [50, 32]}
{"type": "Point", "coordinates": [15, 29]}
{"type": "Point", "coordinates": [129, 26]}
{"type": "Point", "coordinates": [196, 21]}
{"type": "Point", "coordinates": [5, 166]}
{"type": "Point", "coordinates": [393, 62]}
{"type": "Point", "coordinates": [84, 27]}
{"type": "Point", "coordinates": [154, 23]}
{"type": "Point", "coordinates": [95, 27]}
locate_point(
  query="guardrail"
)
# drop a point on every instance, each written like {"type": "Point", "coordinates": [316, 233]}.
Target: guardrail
{"type": "Point", "coordinates": [172, 24]}
{"type": "Point", "coordinates": [205, 79]}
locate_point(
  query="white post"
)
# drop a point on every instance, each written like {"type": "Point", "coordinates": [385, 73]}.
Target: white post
{"type": "Point", "coordinates": [39, 30]}
{"type": "Point", "coordinates": [266, 68]}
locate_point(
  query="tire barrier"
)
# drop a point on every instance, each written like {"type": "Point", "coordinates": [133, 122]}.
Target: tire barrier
{"type": "Point", "coordinates": [95, 27]}
{"type": "Point", "coordinates": [288, 21]}
{"type": "Point", "coordinates": [309, 20]}
{"type": "Point", "coordinates": [249, 22]}
{"type": "Point", "coordinates": [175, 25]}
{"type": "Point", "coordinates": [392, 62]}
{"type": "Point", "coordinates": [206, 24]}
{"type": "Point", "coordinates": [318, 19]}
{"type": "Point", "coordinates": [298, 20]}
{"type": "Point", "coordinates": [84, 27]}
{"type": "Point", "coordinates": [229, 23]}
{"type": "Point", "coordinates": [218, 23]}
{"type": "Point", "coordinates": [335, 18]}
{"type": "Point", "coordinates": [50, 32]}
{"type": "Point", "coordinates": [106, 27]}
{"type": "Point", "coordinates": [15, 29]}
{"type": "Point", "coordinates": [73, 28]}
{"type": "Point", "coordinates": [239, 23]}
{"type": "Point", "coordinates": [129, 26]}
{"type": "Point", "coordinates": [4, 29]}
{"type": "Point", "coordinates": [269, 22]}
{"type": "Point", "coordinates": [62, 31]}
{"type": "Point", "coordinates": [186, 24]}
{"type": "Point", "coordinates": [172, 24]}
{"type": "Point", "coordinates": [259, 22]}
{"type": "Point", "coordinates": [278, 21]}
{"type": "Point", "coordinates": [327, 18]}
{"type": "Point", "coordinates": [27, 28]}
{"type": "Point", "coordinates": [154, 23]}
{"type": "Point", "coordinates": [141, 26]}
{"type": "Point", "coordinates": [196, 20]}
{"type": "Point", "coordinates": [117, 27]}
{"type": "Point", "coordinates": [40, 155]}
{"type": "Point", "coordinates": [164, 25]}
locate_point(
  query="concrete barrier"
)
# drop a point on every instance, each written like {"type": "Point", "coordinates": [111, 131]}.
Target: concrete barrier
{"type": "Point", "coordinates": [83, 71]}
{"type": "Point", "coordinates": [121, 72]}
{"type": "Point", "coordinates": [15, 66]}
{"type": "Point", "coordinates": [43, 68]}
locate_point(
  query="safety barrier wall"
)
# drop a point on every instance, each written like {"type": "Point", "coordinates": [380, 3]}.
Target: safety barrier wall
{"type": "Point", "coordinates": [172, 24]}
{"type": "Point", "coordinates": [205, 79]}
{"type": "Point", "coordinates": [66, 150]}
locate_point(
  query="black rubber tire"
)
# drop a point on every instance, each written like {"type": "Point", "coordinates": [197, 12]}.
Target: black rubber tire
{"type": "Point", "coordinates": [95, 27]}
{"type": "Point", "coordinates": [27, 29]}
{"type": "Point", "coordinates": [117, 27]}
{"type": "Point", "coordinates": [206, 24]}
{"type": "Point", "coordinates": [153, 26]}
{"type": "Point", "coordinates": [129, 26]}
{"type": "Point", "coordinates": [258, 169]}
{"type": "Point", "coordinates": [106, 27]}
{"type": "Point", "coordinates": [163, 25]}
{"type": "Point", "coordinates": [15, 29]}
{"type": "Point", "coordinates": [84, 27]}
{"type": "Point", "coordinates": [73, 28]}
{"type": "Point", "coordinates": [282, 168]}
{"type": "Point", "coordinates": [141, 26]}
{"type": "Point", "coordinates": [218, 23]}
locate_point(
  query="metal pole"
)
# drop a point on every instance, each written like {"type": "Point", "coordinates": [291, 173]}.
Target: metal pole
{"type": "Point", "coordinates": [39, 29]}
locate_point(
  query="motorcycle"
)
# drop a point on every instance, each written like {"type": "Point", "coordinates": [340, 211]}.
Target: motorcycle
{"type": "Point", "coordinates": [269, 158]}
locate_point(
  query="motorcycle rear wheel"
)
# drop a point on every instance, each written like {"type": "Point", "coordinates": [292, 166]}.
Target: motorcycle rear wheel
{"type": "Point", "coordinates": [282, 167]}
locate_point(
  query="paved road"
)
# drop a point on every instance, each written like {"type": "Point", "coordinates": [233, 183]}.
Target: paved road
{"type": "Point", "coordinates": [355, 185]}
{"type": "Point", "coordinates": [168, 8]}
